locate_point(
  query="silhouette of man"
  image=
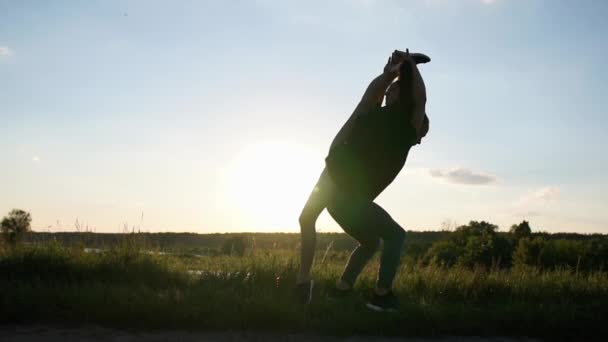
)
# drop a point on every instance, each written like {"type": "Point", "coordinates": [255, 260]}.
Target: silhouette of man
{"type": "Point", "coordinates": [364, 158]}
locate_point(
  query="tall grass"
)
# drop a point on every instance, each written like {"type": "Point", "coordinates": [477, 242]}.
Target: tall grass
{"type": "Point", "coordinates": [129, 286]}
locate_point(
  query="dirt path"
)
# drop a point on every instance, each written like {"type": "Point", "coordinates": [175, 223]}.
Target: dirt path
{"type": "Point", "coordinates": [94, 333]}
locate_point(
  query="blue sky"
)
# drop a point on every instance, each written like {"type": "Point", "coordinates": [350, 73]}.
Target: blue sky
{"type": "Point", "coordinates": [213, 116]}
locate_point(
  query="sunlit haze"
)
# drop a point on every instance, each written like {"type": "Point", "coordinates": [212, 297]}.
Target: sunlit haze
{"type": "Point", "coordinates": [216, 116]}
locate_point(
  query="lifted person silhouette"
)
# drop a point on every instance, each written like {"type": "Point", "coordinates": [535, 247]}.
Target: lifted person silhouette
{"type": "Point", "coordinates": [364, 158]}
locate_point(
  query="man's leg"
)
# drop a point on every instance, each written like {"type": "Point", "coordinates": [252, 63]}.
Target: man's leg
{"type": "Point", "coordinates": [367, 222]}
{"type": "Point", "coordinates": [393, 237]}
{"type": "Point", "coordinates": [348, 210]}
{"type": "Point", "coordinates": [317, 201]}
{"type": "Point", "coordinates": [357, 261]}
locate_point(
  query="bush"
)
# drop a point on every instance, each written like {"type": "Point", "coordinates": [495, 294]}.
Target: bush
{"type": "Point", "coordinates": [597, 257]}
{"type": "Point", "coordinates": [563, 253]}
{"type": "Point", "coordinates": [474, 244]}
{"type": "Point", "coordinates": [443, 252]}
{"type": "Point", "coordinates": [543, 253]}
{"type": "Point", "coordinates": [15, 226]}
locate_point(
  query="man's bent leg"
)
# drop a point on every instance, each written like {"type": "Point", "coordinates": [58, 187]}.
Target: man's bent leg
{"type": "Point", "coordinates": [357, 261]}
{"type": "Point", "coordinates": [393, 237]}
{"type": "Point", "coordinates": [350, 212]}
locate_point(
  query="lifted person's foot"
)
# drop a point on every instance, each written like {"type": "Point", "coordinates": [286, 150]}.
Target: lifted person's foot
{"type": "Point", "coordinates": [384, 303]}
{"type": "Point", "coordinates": [419, 58]}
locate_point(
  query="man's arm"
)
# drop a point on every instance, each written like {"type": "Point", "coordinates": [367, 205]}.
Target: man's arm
{"type": "Point", "coordinates": [374, 94]}
{"type": "Point", "coordinates": [371, 99]}
{"type": "Point", "coordinates": [425, 129]}
{"type": "Point", "coordinates": [412, 91]}
{"type": "Point", "coordinates": [375, 90]}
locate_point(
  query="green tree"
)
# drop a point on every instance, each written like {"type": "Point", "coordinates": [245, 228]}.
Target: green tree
{"type": "Point", "coordinates": [521, 230]}
{"type": "Point", "coordinates": [476, 243]}
{"type": "Point", "coordinates": [528, 251]}
{"type": "Point", "coordinates": [15, 226]}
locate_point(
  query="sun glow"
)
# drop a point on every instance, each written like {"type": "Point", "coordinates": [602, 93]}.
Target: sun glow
{"type": "Point", "coordinates": [267, 184]}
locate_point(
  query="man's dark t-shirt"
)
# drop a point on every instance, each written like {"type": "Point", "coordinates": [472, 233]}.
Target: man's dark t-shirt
{"type": "Point", "coordinates": [373, 153]}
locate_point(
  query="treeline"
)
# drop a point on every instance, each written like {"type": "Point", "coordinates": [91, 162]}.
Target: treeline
{"type": "Point", "coordinates": [208, 243]}
{"type": "Point", "coordinates": [478, 243]}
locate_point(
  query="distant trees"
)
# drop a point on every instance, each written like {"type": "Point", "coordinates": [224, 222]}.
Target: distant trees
{"type": "Point", "coordinates": [546, 253]}
{"type": "Point", "coordinates": [15, 226]}
{"type": "Point", "coordinates": [479, 243]}
{"type": "Point", "coordinates": [235, 245]}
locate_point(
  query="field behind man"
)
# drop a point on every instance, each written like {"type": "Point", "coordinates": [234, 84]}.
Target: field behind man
{"type": "Point", "coordinates": [471, 281]}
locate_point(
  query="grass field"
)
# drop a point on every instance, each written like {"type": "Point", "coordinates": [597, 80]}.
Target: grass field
{"type": "Point", "coordinates": [128, 287]}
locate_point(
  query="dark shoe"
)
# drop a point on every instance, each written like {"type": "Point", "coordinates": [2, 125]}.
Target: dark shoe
{"type": "Point", "coordinates": [420, 58]}
{"type": "Point", "coordinates": [386, 303]}
{"type": "Point", "coordinates": [304, 291]}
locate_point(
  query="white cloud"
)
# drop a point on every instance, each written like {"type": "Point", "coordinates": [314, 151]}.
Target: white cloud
{"type": "Point", "coordinates": [5, 51]}
{"type": "Point", "coordinates": [463, 176]}
{"type": "Point", "coordinates": [488, 2]}
{"type": "Point", "coordinates": [35, 159]}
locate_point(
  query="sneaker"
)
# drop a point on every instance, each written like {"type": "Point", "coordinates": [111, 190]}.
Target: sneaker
{"type": "Point", "coordinates": [420, 58]}
{"type": "Point", "coordinates": [386, 303]}
{"type": "Point", "coordinates": [304, 291]}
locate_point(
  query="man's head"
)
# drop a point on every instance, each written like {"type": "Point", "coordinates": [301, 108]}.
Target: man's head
{"type": "Point", "coordinates": [392, 93]}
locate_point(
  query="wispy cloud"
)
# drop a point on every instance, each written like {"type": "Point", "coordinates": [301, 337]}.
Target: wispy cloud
{"type": "Point", "coordinates": [5, 51]}
{"type": "Point", "coordinates": [540, 196]}
{"type": "Point", "coordinates": [526, 214]}
{"type": "Point", "coordinates": [534, 203]}
{"type": "Point", "coordinates": [463, 176]}
{"type": "Point", "coordinates": [366, 3]}
{"type": "Point", "coordinates": [443, 2]}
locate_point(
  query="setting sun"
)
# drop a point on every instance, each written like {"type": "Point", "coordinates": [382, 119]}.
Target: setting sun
{"type": "Point", "coordinates": [267, 183]}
